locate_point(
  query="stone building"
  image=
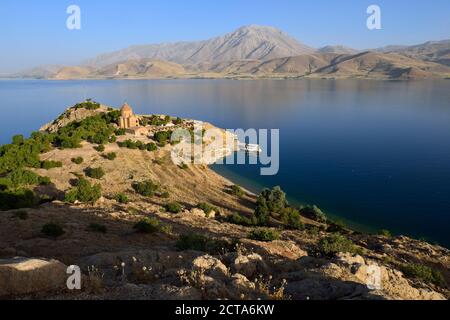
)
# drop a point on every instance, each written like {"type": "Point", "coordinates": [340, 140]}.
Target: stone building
{"type": "Point", "coordinates": [127, 119]}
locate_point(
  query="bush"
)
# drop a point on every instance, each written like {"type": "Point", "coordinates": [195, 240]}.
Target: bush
{"type": "Point", "coordinates": [313, 213]}
{"type": "Point", "coordinates": [177, 121]}
{"type": "Point", "coordinates": [173, 207]}
{"type": "Point", "coordinates": [145, 188]}
{"type": "Point", "coordinates": [263, 234]}
{"type": "Point", "coordinates": [184, 166]}
{"type": "Point", "coordinates": [95, 227]}
{"type": "Point", "coordinates": [198, 242]}
{"type": "Point", "coordinates": [84, 192]}
{"type": "Point", "coordinates": [129, 144]}
{"type": "Point", "coordinates": [52, 230]}
{"type": "Point", "coordinates": [385, 233]}
{"type": "Point", "coordinates": [334, 244]}
{"type": "Point", "coordinates": [21, 177]}
{"type": "Point", "coordinates": [77, 160]}
{"type": "Point", "coordinates": [148, 225]}
{"type": "Point", "coordinates": [110, 156]}
{"type": "Point", "coordinates": [88, 105]}
{"type": "Point", "coordinates": [100, 148]}
{"type": "Point", "coordinates": [165, 195]}
{"type": "Point", "coordinates": [21, 214]}
{"type": "Point", "coordinates": [424, 273]}
{"type": "Point", "coordinates": [291, 217]}
{"type": "Point", "coordinates": [120, 132]}
{"type": "Point", "coordinates": [238, 219]}
{"type": "Point", "coordinates": [207, 208]}
{"type": "Point", "coordinates": [162, 136]}
{"type": "Point", "coordinates": [17, 199]}
{"type": "Point", "coordinates": [236, 191]}
{"type": "Point", "coordinates": [47, 165]}
{"type": "Point", "coordinates": [270, 203]}
{"type": "Point", "coordinates": [95, 173]}
{"type": "Point", "coordinates": [121, 198]}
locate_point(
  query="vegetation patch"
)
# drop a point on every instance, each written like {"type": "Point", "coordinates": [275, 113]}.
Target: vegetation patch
{"type": "Point", "coordinates": [21, 214]}
{"type": "Point", "coordinates": [122, 198]}
{"type": "Point", "coordinates": [236, 191]}
{"type": "Point", "coordinates": [100, 148]}
{"type": "Point", "coordinates": [313, 213]}
{"type": "Point", "coordinates": [264, 234]}
{"type": "Point", "coordinates": [52, 230]}
{"type": "Point", "coordinates": [88, 105]}
{"type": "Point", "coordinates": [95, 173]}
{"type": "Point", "coordinates": [134, 145]}
{"type": "Point", "coordinates": [198, 242]}
{"type": "Point", "coordinates": [48, 164]}
{"type": "Point", "coordinates": [238, 219]}
{"type": "Point", "coordinates": [150, 225]}
{"type": "Point", "coordinates": [173, 207]}
{"type": "Point", "coordinates": [424, 273]}
{"type": "Point", "coordinates": [207, 208]}
{"type": "Point", "coordinates": [77, 160]}
{"type": "Point", "coordinates": [110, 156]}
{"type": "Point", "coordinates": [145, 188]}
{"type": "Point", "coordinates": [17, 199]}
{"type": "Point", "coordinates": [84, 192]}
{"type": "Point", "coordinates": [333, 244]}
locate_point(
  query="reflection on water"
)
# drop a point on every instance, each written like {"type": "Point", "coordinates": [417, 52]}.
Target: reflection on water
{"type": "Point", "coordinates": [372, 152]}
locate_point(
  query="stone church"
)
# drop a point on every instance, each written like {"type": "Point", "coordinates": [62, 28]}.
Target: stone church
{"type": "Point", "coordinates": [127, 119]}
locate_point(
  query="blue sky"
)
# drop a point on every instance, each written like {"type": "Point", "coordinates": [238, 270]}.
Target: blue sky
{"type": "Point", "coordinates": [34, 32]}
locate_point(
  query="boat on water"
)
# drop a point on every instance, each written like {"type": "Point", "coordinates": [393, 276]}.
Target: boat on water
{"type": "Point", "coordinates": [249, 147]}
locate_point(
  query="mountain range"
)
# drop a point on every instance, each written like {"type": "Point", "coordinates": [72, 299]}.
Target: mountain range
{"type": "Point", "coordinates": [257, 52]}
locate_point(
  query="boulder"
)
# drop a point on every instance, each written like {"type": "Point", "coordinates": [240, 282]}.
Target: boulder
{"type": "Point", "coordinates": [277, 248]}
{"type": "Point", "coordinates": [19, 276]}
{"type": "Point", "coordinates": [249, 265]}
{"type": "Point", "coordinates": [210, 266]}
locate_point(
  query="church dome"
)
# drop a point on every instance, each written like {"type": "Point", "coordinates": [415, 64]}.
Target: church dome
{"type": "Point", "coordinates": [126, 111]}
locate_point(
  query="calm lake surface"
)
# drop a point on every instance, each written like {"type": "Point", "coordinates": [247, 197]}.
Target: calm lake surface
{"type": "Point", "coordinates": [373, 153]}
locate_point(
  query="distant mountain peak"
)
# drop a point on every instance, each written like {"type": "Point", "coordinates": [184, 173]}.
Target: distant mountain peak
{"type": "Point", "coordinates": [247, 42]}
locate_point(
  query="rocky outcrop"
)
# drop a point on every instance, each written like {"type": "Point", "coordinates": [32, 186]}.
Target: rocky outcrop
{"type": "Point", "coordinates": [21, 276]}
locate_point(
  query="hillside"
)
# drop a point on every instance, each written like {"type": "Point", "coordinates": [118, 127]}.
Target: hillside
{"type": "Point", "coordinates": [142, 227]}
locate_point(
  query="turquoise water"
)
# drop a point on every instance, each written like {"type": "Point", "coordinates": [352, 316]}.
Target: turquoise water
{"type": "Point", "coordinates": [374, 153]}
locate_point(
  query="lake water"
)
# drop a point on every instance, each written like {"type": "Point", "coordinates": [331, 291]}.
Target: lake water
{"type": "Point", "coordinates": [374, 153]}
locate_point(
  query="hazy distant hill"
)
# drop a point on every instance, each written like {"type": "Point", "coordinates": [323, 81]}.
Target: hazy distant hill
{"type": "Point", "coordinates": [249, 42]}
{"type": "Point", "coordinates": [435, 51]}
{"type": "Point", "coordinates": [257, 52]}
{"type": "Point", "coordinates": [337, 49]}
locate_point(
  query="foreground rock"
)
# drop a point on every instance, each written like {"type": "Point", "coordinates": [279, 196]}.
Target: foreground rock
{"type": "Point", "coordinates": [19, 276]}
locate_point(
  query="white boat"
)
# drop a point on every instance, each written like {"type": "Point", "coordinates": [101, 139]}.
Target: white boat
{"type": "Point", "coordinates": [249, 147]}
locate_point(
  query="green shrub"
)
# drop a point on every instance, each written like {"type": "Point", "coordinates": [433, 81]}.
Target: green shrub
{"type": "Point", "coordinates": [177, 121]}
{"type": "Point", "coordinates": [120, 132]}
{"type": "Point", "coordinates": [385, 233]}
{"type": "Point", "coordinates": [48, 164]}
{"type": "Point", "coordinates": [121, 198]}
{"type": "Point", "coordinates": [162, 137]}
{"type": "Point", "coordinates": [112, 139]}
{"type": "Point", "coordinates": [95, 173]}
{"type": "Point", "coordinates": [198, 242]}
{"type": "Point", "coordinates": [264, 234]}
{"type": "Point", "coordinates": [52, 230]}
{"type": "Point", "coordinates": [151, 146]}
{"type": "Point", "coordinates": [165, 195]}
{"type": "Point", "coordinates": [238, 219]}
{"type": "Point", "coordinates": [148, 225]}
{"type": "Point", "coordinates": [77, 160]}
{"type": "Point", "coordinates": [96, 227]}
{"type": "Point", "coordinates": [173, 207]}
{"type": "Point", "coordinates": [313, 213]}
{"type": "Point", "coordinates": [18, 139]}
{"type": "Point", "coordinates": [130, 144]}
{"type": "Point", "coordinates": [17, 199]}
{"type": "Point", "coordinates": [207, 208]}
{"type": "Point", "coordinates": [100, 148]}
{"type": "Point", "coordinates": [110, 156]}
{"type": "Point", "coordinates": [425, 273]}
{"type": "Point", "coordinates": [21, 214]}
{"type": "Point", "coordinates": [184, 166]}
{"type": "Point", "coordinates": [21, 177]}
{"type": "Point", "coordinates": [88, 105]}
{"type": "Point", "coordinates": [145, 188]}
{"type": "Point", "coordinates": [291, 217]}
{"type": "Point", "coordinates": [334, 244]}
{"type": "Point", "coordinates": [237, 191]}
{"type": "Point", "coordinates": [270, 203]}
{"type": "Point", "coordinates": [84, 192]}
